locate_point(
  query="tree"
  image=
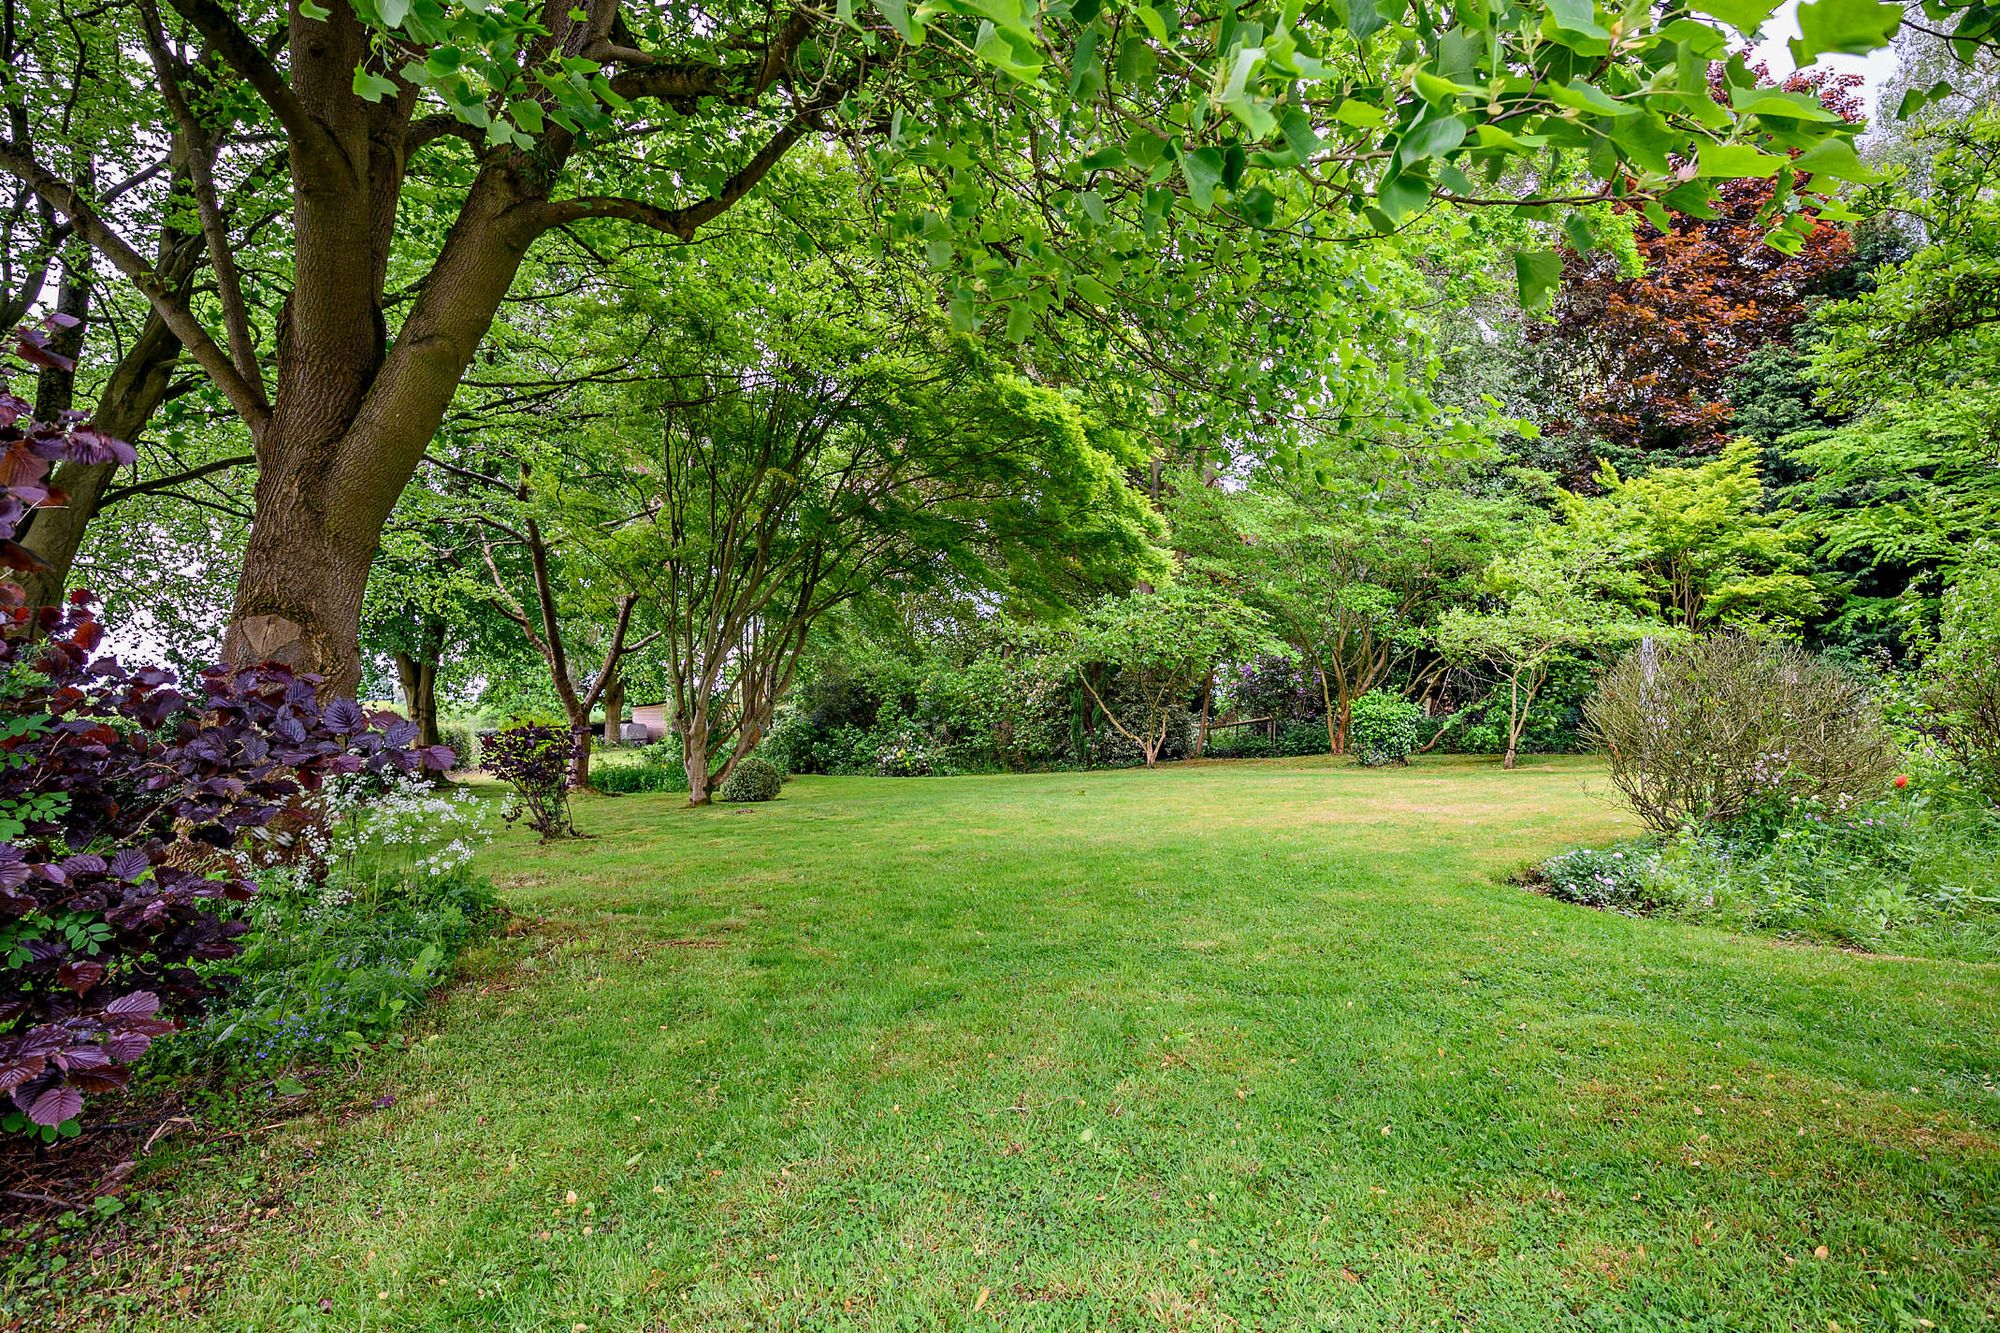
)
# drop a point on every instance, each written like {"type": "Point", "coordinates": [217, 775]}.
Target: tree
{"type": "Point", "coordinates": [1909, 482]}
{"type": "Point", "coordinates": [1648, 355]}
{"type": "Point", "coordinates": [1551, 598]}
{"type": "Point", "coordinates": [1162, 645]}
{"type": "Point", "coordinates": [1705, 549]}
{"type": "Point", "coordinates": [1350, 572]}
{"type": "Point", "coordinates": [1041, 158]}
{"type": "Point", "coordinates": [777, 494]}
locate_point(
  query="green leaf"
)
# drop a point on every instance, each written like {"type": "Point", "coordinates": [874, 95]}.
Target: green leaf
{"type": "Point", "coordinates": [897, 14]}
{"type": "Point", "coordinates": [1156, 25]}
{"type": "Point", "coordinates": [1020, 322]}
{"type": "Point", "coordinates": [1735, 161]}
{"type": "Point", "coordinates": [317, 12]}
{"type": "Point", "coordinates": [1360, 115]}
{"type": "Point", "coordinates": [1202, 169]}
{"type": "Point", "coordinates": [1573, 23]}
{"type": "Point", "coordinates": [393, 12]}
{"type": "Point", "coordinates": [1399, 195]}
{"type": "Point", "coordinates": [1837, 160]}
{"type": "Point", "coordinates": [372, 87]}
{"type": "Point", "coordinates": [1848, 27]}
{"type": "Point", "coordinates": [1433, 136]}
{"type": "Point", "coordinates": [527, 113]}
{"type": "Point", "coordinates": [1746, 16]}
{"type": "Point", "coordinates": [1577, 230]}
{"type": "Point", "coordinates": [1007, 52]}
{"type": "Point", "coordinates": [1536, 274]}
{"type": "Point", "coordinates": [1916, 99]}
{"type": "Point", "coordinates": [1363, 19]}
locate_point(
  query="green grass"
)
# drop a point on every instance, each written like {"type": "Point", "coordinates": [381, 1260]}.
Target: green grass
{"type": "Point", "coordinates": [1258, 1045]}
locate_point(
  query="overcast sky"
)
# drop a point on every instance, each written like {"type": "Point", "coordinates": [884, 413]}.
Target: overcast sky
{"type": "Point", "coordinates": [1874, 69]}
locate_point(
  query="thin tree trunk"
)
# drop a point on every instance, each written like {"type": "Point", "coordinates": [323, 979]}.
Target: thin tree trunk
{"type": "Point", "coordinates": [614, 710]}
{"type": "Point", "coordinates": [694, 757]}
{"type": "Point", "coordinates": [1513, 719]}
{"type": "Point", "coordinates": [1207, 698]}
{"type": "Point", "coordinates": [1326, 704]}
{"type": "Point", "coordinates": [137, 386]}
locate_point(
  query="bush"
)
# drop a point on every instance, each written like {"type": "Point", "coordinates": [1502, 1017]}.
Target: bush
{"type": "Point", "coordinates": [461, 737]}
{"type": "Point", "coordinates": [905, 750]}
{"type": "Point", "coordinates": [534, 758]}
{"type": "Point", "coordinates": [1709, 730]}
{"type": "Point", "coordinates": [113, 909]}
{"type": "Point", "coordinates": [1616, 878]}
{"type": "Point", "coordinates": [355, 929]}
{"type": "Point", "coordinates": [1962, 679]}
{"type": "Point", "coordinates": [1911, 874]}
{"type": "Point", "coordinates": [644, 775]}
{"type": "Point", "coordinates": [1298, 739]}
{"type": "Point", "coordinates": [1383, 728]}
{"type": "Point", "coordinates": [752, 779]}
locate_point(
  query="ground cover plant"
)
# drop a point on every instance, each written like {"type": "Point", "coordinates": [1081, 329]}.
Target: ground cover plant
{"type": "Point", "coordinates": [1264, 1044]}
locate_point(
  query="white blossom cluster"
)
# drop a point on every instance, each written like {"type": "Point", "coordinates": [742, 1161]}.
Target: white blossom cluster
{"type": "Point", "coordinates": [412, 832]}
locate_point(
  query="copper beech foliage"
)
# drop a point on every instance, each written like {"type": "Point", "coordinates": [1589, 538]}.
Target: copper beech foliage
{"type": "Point", "coordinates": [1653, 353]}
{"type": "Point", "coordinates": [127, 807]}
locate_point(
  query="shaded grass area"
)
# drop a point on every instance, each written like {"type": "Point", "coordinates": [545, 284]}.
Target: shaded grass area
{"type": "Point", "coordinates": [1248, 1045]}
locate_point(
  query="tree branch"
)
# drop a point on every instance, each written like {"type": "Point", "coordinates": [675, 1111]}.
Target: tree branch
{"type": "Point", "coordinates": [18, 162]}
{"type": "Point", "coordinates": [215, 231]}
{"type": "Point", "coordinates": [174, 479]}
{"type": "Point", "coordinates": [242, 54]}
{"type": "Point", "coordinates": [677, 222]}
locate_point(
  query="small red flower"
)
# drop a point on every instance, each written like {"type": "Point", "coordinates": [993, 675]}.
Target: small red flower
{"type": "Point", "coordinates": [1902, 781]}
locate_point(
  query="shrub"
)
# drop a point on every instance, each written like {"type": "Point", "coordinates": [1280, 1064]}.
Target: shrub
{"type": "Point", "coordinates": [137, 813]}
{"type": "Point", "coordinates": [1962, 679]}
{"type": "Point", "coordinates": [1706, 731]}
{"type": "Point", "coordinates": [1615, 878]}
{"type": "Point", "coordinates": [905, 750]}
{"type": "Point", "coordinates": [1297, 739]}
{"type": "Point", "coordinates": [461, 737]}
{"type": "Point", "coordinates": [788, 746]}
{"type": "Point", "coordinates": [1909, 874]}
{"type": "Point", "coordinates": [1383, 729]}
{"type": "Point", "coordinates": [534, 758]}
{"type": "Point", "coordinates": [752, 779]}
{"type": "Point", "coordinates": [1241, 743]}
{"type": "Point", "coordinates": [345, 937]}
{"type": "Point", "coordinates": [642, 776]}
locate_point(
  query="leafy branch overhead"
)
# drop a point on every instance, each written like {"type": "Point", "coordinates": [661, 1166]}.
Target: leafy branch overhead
{"type": "Point", "coordinates": [1111, 118]}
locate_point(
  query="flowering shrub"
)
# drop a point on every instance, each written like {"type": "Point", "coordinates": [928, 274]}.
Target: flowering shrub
{"type": "Point", "coordinates": [1383, 729]}
{"type": "Point", "coordinates": [534, 758]}
{"type": "Point", "coordinates": [1911, 873]}
{"type": "Point", "coordinates": [1710, 730]}
{"type": "Point", "coordinates": [907, 751]}
{"type": "Point", "coordinates": [1616, 878]}
{"type": "Point", "coordinates": [752, 779]}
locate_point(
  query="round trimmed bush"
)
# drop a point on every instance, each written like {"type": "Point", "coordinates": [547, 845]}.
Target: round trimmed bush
{"type": "Point", "coordinates": [1383, 729]}
{"type": "Point", "coordinates": [752, 779]}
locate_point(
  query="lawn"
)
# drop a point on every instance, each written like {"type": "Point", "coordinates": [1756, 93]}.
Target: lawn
{"type": "Point", "coordinates": [1249, 1045]}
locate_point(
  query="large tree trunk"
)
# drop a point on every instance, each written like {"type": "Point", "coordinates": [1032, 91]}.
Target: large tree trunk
{"type": "Point", "coordinates": [349, 426]}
